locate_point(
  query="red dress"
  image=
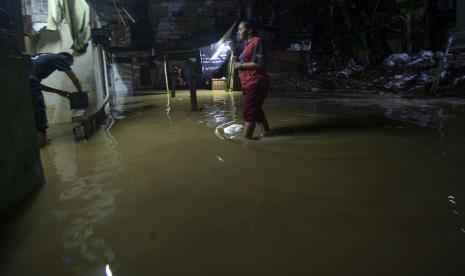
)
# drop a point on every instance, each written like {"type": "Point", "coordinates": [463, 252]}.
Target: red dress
{"type": "Point", "coordinates": [255, 83]}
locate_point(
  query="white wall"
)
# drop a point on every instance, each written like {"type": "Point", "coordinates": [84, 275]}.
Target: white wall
{"type": "Point", "coordinates": [87, 67]}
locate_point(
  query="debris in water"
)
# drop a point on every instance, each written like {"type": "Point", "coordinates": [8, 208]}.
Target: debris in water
{"type": "Point", "coordinates": [401, 73]}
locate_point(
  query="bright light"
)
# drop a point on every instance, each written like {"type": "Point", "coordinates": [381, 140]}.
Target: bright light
{"type": "Point", "coordinates": [223, 47]}
{"type": "Point", "coordinates": [108, 271]}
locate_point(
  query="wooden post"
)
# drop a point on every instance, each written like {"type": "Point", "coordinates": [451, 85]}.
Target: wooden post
{"type": "Point", "coordinates": [132, 74]}
{"type": "Point", "coordinates": [230, 81]}
{"type": "Point", "coordinates": [442, 67]}
{"type": "Point", "coordinates": [173, 84]}
{"type": "Point", "coordinates": [192, 84]}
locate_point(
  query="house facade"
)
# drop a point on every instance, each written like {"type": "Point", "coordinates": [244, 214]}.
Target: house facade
{"type": "Point", "coordinates": [90, 64]}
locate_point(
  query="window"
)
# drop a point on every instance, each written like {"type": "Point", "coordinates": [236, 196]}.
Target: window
{"type": "Point", "coordinates": [39, 11]}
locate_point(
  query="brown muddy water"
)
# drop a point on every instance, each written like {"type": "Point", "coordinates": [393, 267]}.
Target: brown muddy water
{"type": "Point", "coordinates": [350, 185]}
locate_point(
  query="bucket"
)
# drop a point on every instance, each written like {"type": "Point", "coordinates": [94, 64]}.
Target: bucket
{"type": "Point", "coordinates": [79, 100]}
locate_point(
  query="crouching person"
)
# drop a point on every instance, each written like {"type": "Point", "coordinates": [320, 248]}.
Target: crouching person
{"type": "Point", "coordinates": [42, 66]}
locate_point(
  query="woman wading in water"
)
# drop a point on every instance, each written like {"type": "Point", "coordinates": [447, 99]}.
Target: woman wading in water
{"type": "Point", "coordinates": [254, 79]}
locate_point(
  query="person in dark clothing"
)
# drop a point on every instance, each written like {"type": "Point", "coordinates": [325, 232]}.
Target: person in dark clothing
{"type": "Point", "coordinates": [42, 66]}
{"type": "Point", "coordinates": [254, 79]}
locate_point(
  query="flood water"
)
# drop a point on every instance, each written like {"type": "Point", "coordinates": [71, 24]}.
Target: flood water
{"type": "Point", "coordinates": [349, 185]}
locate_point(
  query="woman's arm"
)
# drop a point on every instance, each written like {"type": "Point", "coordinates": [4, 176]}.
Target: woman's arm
{"type": "Point", "coordinates": [258, 59]}
{"type": "Point", "coordinates": [56, 91]}
{"type": "Point", "coordinates": [74, 79]}
{"type": "Point", "coordinates": [248, 66]}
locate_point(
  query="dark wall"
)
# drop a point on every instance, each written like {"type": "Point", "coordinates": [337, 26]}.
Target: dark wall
{"type": "Point", "coordinates": [20, 165]}
{"type": "Point", "coordinates": [141, 31]}
{"type": "Point", "coordinates": [12, 24]}
{"type": "Point", "coordinates": [185, 24]}
{"type": "Point", "coordinates": [182, 24]}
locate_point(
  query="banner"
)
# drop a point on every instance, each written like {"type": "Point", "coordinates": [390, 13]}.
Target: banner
{"type": "Point", "coordinates": [213, 57]}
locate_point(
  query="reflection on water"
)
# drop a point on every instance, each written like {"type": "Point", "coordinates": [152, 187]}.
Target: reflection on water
{"type": "Point", "coordinates": [108, 271]}
{"type": "Point", "coordinates": [231, 131]}
{"type": "Point", "coordinates": [86, 200]}
{"type": "Point", "coordinates": [221, 115]}
{"type": "Point", "coordinates": [349, 185]}
{"type": "Point", "coordinates": [168, 105]}
{"type": "Point", "coordinates": [458, 210]}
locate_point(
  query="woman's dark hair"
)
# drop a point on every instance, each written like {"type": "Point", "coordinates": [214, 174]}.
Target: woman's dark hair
{"type": "Point", "coordinates": [250, 25]}
{"type": "Point", "coordinates": [68, 57]}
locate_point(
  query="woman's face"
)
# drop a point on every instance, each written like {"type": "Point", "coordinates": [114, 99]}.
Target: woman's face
{"type": "Point", "coordinates": [243, 32]}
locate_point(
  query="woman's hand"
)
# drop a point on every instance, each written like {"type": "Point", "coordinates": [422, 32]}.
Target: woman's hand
{"type": "Point", "coordinates": [247, 66]}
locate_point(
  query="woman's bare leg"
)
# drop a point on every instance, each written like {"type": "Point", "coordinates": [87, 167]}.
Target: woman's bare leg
{"type": "Point", "coordinates": [264, 125]}
{"type": "Point", "coordinates": [249, 129]}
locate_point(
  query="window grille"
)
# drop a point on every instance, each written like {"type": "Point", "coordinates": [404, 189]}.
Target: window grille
{"type": "Point", "coordinates": [39, 11]}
